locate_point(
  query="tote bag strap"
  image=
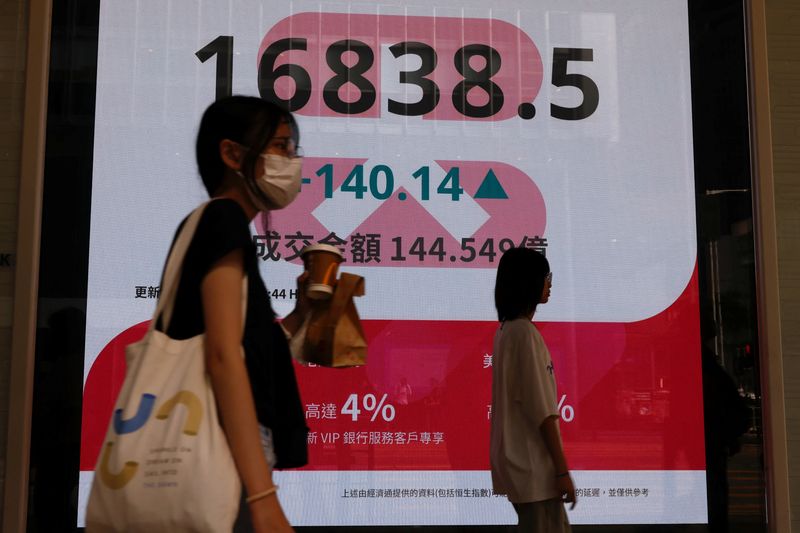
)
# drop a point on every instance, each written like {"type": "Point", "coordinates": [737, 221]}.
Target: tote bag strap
{"type": "Point", "coordinates": [172, 272]}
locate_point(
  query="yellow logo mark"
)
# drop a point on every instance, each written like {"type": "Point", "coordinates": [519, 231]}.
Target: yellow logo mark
{"type": "Point", "coordinates": [115, 481]}
{"type": "Point", "coordinates": [193, 405]}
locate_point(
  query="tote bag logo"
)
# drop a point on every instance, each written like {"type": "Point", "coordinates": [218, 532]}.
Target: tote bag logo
{"type": "Point", "coordinates": [122, 426]}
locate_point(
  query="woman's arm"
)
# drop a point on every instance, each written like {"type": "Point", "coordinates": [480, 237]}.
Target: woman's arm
{"type": "Point", "coordinates": [221, 292]}
{"type": "Point", "coordinates": [552, 440]}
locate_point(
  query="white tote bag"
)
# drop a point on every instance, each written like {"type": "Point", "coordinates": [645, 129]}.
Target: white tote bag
{"type": "Point", "coordinates": [165, 465]}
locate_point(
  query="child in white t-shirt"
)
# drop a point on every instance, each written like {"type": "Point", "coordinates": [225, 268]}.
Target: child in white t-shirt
{"type": "Point", "coordinates": [526, 453]}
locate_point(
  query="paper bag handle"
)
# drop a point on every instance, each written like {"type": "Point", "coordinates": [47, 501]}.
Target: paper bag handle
{"type": "Point", "coordinates": [349, 285]}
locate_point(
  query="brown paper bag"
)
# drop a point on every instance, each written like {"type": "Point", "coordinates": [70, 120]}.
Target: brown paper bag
{"type": "Point", "coordinates": [333, 333]}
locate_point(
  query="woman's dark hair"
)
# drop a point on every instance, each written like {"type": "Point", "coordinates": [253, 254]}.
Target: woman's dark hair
{"type": "Point", "coordinates": [246, 120]}
{"type": "Point", "coordinates": [520, 282]}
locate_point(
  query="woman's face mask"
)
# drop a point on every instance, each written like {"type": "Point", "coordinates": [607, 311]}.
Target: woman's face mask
{"type": "Point", "coordinates": [280, 180]}
{"type": "Point", "coordinates": [279, 183]}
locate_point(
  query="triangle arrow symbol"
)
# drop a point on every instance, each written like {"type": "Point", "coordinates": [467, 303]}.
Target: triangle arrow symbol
{"type": "Point", "coordinates": [491, 188]}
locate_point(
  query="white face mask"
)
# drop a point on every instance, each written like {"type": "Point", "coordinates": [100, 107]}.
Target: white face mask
{"type": "Point", "coordinates": [279, 185]}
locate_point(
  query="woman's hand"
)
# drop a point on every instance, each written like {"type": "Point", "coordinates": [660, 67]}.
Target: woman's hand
{"type": "Point", "coordinates": [303, 305]}
{"type": "Point", "coordinates": [302, 308]}
{"type": "Point", "coordinates": [267, 516]}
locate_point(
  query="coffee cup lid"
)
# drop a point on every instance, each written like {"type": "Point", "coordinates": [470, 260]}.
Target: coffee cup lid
{"type": "Point", "coordinates": [321, 248]}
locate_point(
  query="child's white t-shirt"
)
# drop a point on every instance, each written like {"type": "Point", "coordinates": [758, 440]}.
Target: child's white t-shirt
{"type": "Point", "coordinates": [523, 396]}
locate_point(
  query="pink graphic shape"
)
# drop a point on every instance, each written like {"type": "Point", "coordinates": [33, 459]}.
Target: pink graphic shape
{"type": "Point", "coordinates": [408, 221]}
{"type": "Point", "coordinates": [522, 214]}
{"type": "Point", "coordinates": [519, 76]}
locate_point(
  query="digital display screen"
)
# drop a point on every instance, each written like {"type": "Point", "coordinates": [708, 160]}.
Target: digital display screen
{"type": "Point", "coordinates": [436, 137]}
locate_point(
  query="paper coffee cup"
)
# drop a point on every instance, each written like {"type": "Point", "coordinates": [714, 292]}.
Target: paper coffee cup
{"type": "Point", "coordinates": [322, 264]}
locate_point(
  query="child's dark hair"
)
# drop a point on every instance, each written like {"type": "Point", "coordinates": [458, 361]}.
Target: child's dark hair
{"type": "Point", "coordinates": [246, 120]}
{"type": "Point", "coordinates": [520, 283]}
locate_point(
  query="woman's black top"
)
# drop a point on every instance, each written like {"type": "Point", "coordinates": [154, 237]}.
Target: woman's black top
{"type": "Point", "coordinates": [223, 228]}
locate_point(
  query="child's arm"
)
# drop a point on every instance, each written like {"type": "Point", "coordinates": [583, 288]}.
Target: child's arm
{"type": "Point", "coordinates": [552, 439]}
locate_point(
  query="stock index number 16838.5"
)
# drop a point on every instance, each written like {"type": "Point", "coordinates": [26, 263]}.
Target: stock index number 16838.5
{"type": "Point", "coordinates": [353, 72]}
